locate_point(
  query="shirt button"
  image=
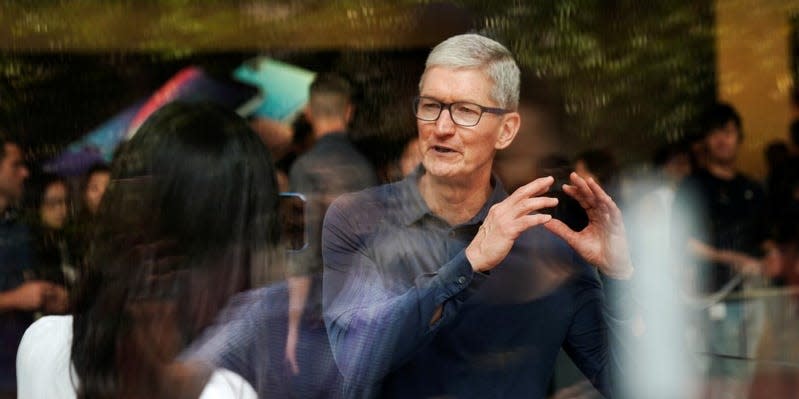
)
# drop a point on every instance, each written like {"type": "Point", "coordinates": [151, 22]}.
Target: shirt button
{"type": "Point", "coordinates": [452, 234]}
{"type": "Point", "coordinates": [461, 280]}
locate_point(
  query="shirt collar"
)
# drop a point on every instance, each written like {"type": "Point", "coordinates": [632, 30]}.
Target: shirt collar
{"type": "Point", "coordinates": [334, 136]}
{"type": "Point", "coordinates": [414, 207]}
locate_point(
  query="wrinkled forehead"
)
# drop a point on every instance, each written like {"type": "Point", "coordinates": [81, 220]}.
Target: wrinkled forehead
{"type": "Point", "coordinates": [472, 84]}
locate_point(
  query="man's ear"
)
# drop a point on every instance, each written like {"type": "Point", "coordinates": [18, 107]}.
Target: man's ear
{"type": "Point", "coordinates": [307, 112]}
{"type": "Point", "coordinates": [509, 129]}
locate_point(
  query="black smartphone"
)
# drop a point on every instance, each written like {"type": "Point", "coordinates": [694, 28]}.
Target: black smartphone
{"type": "Point", "coordinates": [291, 211]}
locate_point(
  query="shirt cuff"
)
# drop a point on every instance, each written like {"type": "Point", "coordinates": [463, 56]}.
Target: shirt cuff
{"type": "Point", "coordinates": [618, 297]}
{"type": "Point", "coordinates": [457, 279]}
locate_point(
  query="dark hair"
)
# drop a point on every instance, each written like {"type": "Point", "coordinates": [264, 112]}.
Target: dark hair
{"type": "Point", "coordinates": [97, 168]}
{"type": "Point", "coordinates": [330, 94]}
{"type": "Point", "coordinates": [602, 164]}
{"type": "Point", "coordinates": [37, 187]}
{"type": "Point", "coordinates": [717, 116]}
{"type": "Point", "coordinates": [556, 165]}
{"type": "Point", "coordinates": [192, 200]}
{"type": "Point", "coordinates": [776, 153]}
{"type": "Point", "coordinates": [667, 152]}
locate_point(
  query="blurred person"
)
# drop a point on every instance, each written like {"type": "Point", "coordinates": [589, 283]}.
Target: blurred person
{"type": "Point", "coordinates": [439, 285]}
{"type": "Point", "coordinates": [718, 220]}
{"type": "Point", "coordinates": [97, 179]}
{"type": "Point", "coordinates": [661, 315]}
{"type": "Point", "coordinates": [600, 165]}
{"type": "Point", "coordinates": [49, 208]}
{"type": "Point", "coordinates": [333, 166]}
{"type": "Point", "coordinates": [775, 154]}
{"type": "Point", "coordinates": [782, 183]}
{"type": "Point", "coordinates": [285, 143]}
{"type": "Point", "coordinates": [696, 144]}
{"type": "Point", "coordinates": [727, 204]}
{"type": "Point", "coordinates": [191, 205]}
{"type": "Point", "coordinates": [92, 189]}
{"type": "Point", "coordinates": [411, 157]}
{"type": "Point", "coordinates": [779, 347]}
{"type": "Point", "coordinates": [19, 297]}
{"type": "Point", "coordinates": [397, 153]}
{"type": "Point", "coordinates": [672, 164]}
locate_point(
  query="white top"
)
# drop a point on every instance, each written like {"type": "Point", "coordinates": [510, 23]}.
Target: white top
{"type": "Point", "coordinates": [44, 369]}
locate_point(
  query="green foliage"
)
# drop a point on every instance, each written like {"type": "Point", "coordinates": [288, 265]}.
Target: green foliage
{"type": "Point", "coordinates": [631, 75]}
{"type": "Point", "coordinates": [624, 73]}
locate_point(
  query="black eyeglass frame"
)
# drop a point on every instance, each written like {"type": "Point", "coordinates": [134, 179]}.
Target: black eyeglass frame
{"type": "Point", "coordinates": [448, 107]}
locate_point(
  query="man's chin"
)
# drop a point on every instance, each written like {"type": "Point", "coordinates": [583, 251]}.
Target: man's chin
{"type": "Point", "coordinates": [436, 169]}
{"type": "Point", "coordinates": [724, 159]}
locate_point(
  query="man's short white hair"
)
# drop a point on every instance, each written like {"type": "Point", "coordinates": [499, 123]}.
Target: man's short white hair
{"type": "Point", "coordinates": [479, 52]}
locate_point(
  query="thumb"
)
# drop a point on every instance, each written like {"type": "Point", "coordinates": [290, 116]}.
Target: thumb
{"type": "Point", "coordinates": [561, 230]}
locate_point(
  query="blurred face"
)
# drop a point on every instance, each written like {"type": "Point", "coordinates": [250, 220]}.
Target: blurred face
{"type": "Point", "coordinates": [95, 188]}
{"type": "Point", "coordinates": [452, 151]}
{"type": "Point", "coordinates": [722, 143]}
{"type": "Point", "coordinates": [678, 167]}
{"type": "Point", "coordinates": [13, 173]}
{"type": "Point", "coordinates": [410, 157]}
{"type": "Point", "coordinates": [582, 169]}
{"type": "Point", "coordinates": [53, 211]}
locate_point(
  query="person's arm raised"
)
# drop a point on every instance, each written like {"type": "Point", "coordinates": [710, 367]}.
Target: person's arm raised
{"type": "Point", "coordinates": [29, 296]}
{"type": "Point", "coordinates": [506, 221]}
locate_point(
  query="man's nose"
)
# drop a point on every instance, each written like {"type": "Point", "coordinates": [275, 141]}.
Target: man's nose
{"type": "Point", "coordinates": [444, 124]}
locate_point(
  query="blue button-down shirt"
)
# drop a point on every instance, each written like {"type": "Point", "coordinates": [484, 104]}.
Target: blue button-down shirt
{"type": "Point", "coordinates": [390, 263]}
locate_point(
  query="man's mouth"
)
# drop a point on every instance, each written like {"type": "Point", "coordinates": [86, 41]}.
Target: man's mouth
{"type": "Point", "coordinates": [443, 150]}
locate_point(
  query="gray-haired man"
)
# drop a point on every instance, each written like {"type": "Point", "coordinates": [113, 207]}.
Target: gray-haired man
{"type": "Point", "coordinates": [442, 284]}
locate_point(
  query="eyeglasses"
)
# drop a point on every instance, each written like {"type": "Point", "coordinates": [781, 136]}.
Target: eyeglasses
{"type": "Point", "coordinates": [462, 113]}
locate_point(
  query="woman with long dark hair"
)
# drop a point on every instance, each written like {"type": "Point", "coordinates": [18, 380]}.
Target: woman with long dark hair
{"type": "Point", "coordinates": [190, 209]}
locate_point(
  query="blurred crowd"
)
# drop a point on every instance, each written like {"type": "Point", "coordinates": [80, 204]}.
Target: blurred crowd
{"type": "Point", "coordinates": [722, 236]}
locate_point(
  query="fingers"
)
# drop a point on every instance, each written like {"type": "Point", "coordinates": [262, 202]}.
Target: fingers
{"type": "Point", "coordinates": [580, 191]}
{"type": "Point", "coordinates": [530, 205]}
{"type": "Point", "coordinates": [534, 188]}
{"type": "Point", "coordinates": [529, 221]}
{"type": "Point", "coordinates": [604, 198]}
{"type": "Point", "coordinates": [590, 195]}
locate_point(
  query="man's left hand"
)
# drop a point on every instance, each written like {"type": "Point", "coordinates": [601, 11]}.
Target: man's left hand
{"type": "Point", "coordinates": [603, 243]}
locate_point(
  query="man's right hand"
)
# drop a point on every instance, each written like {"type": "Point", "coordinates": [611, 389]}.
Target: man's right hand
{"type": "Point", "coordinates": [506, 221]}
